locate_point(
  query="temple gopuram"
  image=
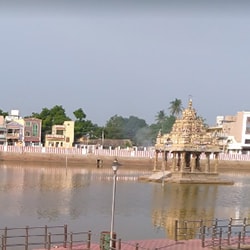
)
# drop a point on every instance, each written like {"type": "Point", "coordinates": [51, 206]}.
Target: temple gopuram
{"type": "Point", "coordinates": [184, 147]}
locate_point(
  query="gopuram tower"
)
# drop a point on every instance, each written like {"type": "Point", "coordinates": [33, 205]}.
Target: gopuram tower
{"type": "Point", "coordinates": [185, 145]}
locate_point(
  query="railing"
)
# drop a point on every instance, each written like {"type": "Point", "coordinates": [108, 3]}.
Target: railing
{"type": "Point", "coordinates": [46, 237]}
{"type": "Point", "coordinates": [234, 233]}
{"type": "Point", "coordinates": [73, 239]}
{"type": "Point", "coordinates": [215, 233]}
{"type": "Point", "coordinates": [92, 150]}
{"type": "Point", "coordinates": [51, 136]}
{"type": "Point", "coordinates": [13, 135]}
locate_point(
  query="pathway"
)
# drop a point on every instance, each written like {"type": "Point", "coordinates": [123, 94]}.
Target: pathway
{"type": "Point", "coordinates": [194, 244]}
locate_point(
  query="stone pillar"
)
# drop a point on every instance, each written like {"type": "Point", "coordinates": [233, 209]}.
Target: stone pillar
{"type": "Point", "coordinates": [192, 162]}
{"type": "Point", "coordinates": [178, 161]}
{"type": "Point", "coordinates": [164, 160]}
{"type": "Point", "coordinates": [197, 161]}
{"type": "Point", "coordinates": [182, 156]}
{"type": "Point", "coordinates": [174, 162]}
{"type": "Point", "coordinates": [207, 167]}
{"type": "Point", "coordinates": [156, 160]}
{"type": "Point", "coordinates": [216, 162]}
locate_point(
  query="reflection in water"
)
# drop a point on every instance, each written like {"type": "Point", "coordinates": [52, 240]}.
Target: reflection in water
{"type": "Point", "coordinates": [81, 198]}
{"type": "Point", "coordinates": [193, 202]}
{"type": "Point", "coordinates": [43, 195]}
{"type": "Point", "coordinates": [183, 202]}
{"type": "Point", "coordinates": [45, 191]}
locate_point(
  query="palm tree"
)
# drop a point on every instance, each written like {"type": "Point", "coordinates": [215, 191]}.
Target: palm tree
{"type": "Point", "coordinates": [176, 107]}
{"type": "Point", "coordinates": [160, 118]}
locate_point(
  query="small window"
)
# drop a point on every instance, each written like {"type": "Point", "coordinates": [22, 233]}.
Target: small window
{"type": "Point", "coordinates": [34, 129]}
{"type": "Point", "coordinates": [59, 132]}
{"type": "Point", "coordinates": [247, 141]}
{"type": "Point", "coordinates": [248, 125]}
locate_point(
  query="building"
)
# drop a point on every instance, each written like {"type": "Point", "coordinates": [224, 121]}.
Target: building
{"type": "Point", "coordinates": [61, 136]}
{"type": "Point", "coordinates": [25, 132]}
{"type": "Point", "coordinates": [13, 115]}
{"type": "Point", "coordinates": [15, 130]}
{"type": "Point", "coordinates": [3, 130]}
{"type": "Point", "coordinates": [14, 134]}
{"type": "Point", "coordinates": [236, 132]}
{"type": "Point", "coordinates": [32, 131]}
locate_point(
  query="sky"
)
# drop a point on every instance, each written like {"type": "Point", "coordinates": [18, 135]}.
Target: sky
{"type": "Point", "coordinates": [126, 58]}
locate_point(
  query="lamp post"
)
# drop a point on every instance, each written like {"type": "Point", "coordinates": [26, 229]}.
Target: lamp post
{"type": "Point", "coordinates": [115, 167]}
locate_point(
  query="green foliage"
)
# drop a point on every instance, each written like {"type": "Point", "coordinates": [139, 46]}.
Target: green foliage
{"type": "Point", "coordinates": [165, 127]}
{"type": "Point", "coordinates": [163, 122]}
{"type": "Point", "coordinates": [124, 128]}
{"type": "Point", "coordinates": [168, 124]}
{"type": "Point", "coordinates": [131, 127]}
{"type": "Point", "coordinates": [50, 117]}
{"type": "Point", "coordinates": [117, 127]}
{"type": "Point", "coordinates": [79, 114]}
{"type": "Point", "coordinates": [114, 128]}
{"type": "Point", "coordinates": [203, 121]}
{"type": "Point", "coordinates": [3, 113]}
{"type": "Point", "coordinates": [85, 128]}
{"type": "Point", "coordinates": [176, 107]}
{"type": "Point", "coordinates": [160, 117]}
{"type": "Point", "coordinates": [154, 130]}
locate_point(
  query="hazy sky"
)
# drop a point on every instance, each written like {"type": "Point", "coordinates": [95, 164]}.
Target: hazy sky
{"type": "Point", "coordinates": [125, 57]}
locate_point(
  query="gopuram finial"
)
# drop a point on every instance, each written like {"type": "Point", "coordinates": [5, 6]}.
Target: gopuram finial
{"type": "Point", "coordinates": [190, 102]}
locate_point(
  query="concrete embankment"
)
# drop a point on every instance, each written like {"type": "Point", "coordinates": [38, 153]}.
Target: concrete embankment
{"type": "Point", "coordinates": [90, 160]}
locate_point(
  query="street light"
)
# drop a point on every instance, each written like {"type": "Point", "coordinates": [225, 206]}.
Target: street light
{"type": "Point", "coordinates": [115, 167]}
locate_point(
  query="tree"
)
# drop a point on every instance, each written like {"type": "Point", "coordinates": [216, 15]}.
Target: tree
{"type": "Point", "coordinates": [168, 124]}
{"type": "Point", "coordinates": [79, 114]}
{"type": "Point", "coordinates": [50, 117]}
{"type": "Point", "coordinates": [160, 118]}
{"type": "Point", "coordinates": [131, 127]}
{"type": "Point", "coordinates": [85, 127]}
{"type": "Point", "coordinates": [203, 121]}
{"type": "Point", "coordinates": [3, 113]}
{"type": "Point", "coordinates": [176, 107]}
{"type": "Point", "coordinates": [80, 129]}
{"type": "Point", "coordinates": [119, 127]}
{"type": "Point", "coordinates": [165, 127]}
{"type": "Point", "coordinates": [58, 115]}
{"type": "Point", "coordinates": [163, 122]}
{"type": "Point", "coordinates": [115, 127]}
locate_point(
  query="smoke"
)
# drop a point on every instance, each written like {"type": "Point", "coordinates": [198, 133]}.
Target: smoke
{"type": "Point", "coordinates": [144, 137]}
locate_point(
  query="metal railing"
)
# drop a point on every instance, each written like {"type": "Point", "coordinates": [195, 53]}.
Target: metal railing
{"type": "Point", "coordinates": [215, 233]}
{"type": "Point", "coordinates": [46, 237]}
